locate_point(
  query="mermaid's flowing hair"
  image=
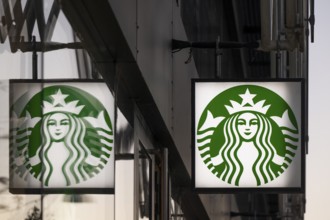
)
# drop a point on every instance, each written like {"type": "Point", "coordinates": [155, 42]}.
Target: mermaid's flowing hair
{"type": "Point", "coordinates": [73, 168]}
{"type": "Point", "coordinates": [233, 168]}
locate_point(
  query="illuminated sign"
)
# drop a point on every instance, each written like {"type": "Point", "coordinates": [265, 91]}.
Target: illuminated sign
{"type": "Point", "coordinates": [248, 135]}
{"type": "Point", "coordinates": [61, 137]}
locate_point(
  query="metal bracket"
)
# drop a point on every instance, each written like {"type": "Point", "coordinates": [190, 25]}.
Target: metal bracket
{"type": "Point", "coordinates": [46, 46]}
{"type": "Point", "coordinates": [311, 19]}
{"type": "Point", "coordinates": [178, 45]}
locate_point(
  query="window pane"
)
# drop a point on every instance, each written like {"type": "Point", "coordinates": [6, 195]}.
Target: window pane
{"type": "Point", "coordinates": [78, 207]}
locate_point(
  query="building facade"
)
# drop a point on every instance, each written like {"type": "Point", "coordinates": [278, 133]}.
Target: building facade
{"type": "Point", "coordinates": [147, 52]}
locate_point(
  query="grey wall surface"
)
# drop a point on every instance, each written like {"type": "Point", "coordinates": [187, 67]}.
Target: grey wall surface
{"type": "Point", "coordinates": [125, 11]}
{"type": "Point", "coordinates": [183, 72]}
{"type": "Point", "coordinates": [154, 37]}
{"type": "Point", "coordinates": [149, 27]}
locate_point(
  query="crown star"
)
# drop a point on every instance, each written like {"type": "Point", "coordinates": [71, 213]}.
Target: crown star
{"type": "Point", "coordinates": [58, 98]}
{"type": "Point", "coordinates": [59, 104]}
{"type": "Point", "coordinates": [247, 98]}
{"type": "Point", "coordinates": [247, 104]}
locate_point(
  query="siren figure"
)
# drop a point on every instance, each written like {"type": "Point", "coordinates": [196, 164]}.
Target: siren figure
{"type": "Point", "coordinates": [247, 150]}
{"type": "Point", "coordinates": [63, 153]}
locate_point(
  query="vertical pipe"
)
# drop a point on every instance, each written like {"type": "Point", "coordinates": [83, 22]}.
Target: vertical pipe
{"type": "Point", "coordinates": [266, 23]}
{"type": "Point", "coordinates": [266, 13]}
{"type": "Point", "coordinates": [312, 19]}
{"type": "Point", "coordinates": [165, 185]}
{"type": "Point", "coordinates": [276, 34]}
{"type": "Point", "coordinates": [136, 166]}
{"type": "Point", "coordinates": [306, 76]}
{"type": "Point", "coordinates": [35, 77]}
{"type": "Point", "coordinates": [238, 26]}
{"type": "Point", "coordinates": [34, 59]}
{"type": "Point", "coordinates": [218, 58]}
{"type": "Point", "coordinates": [290, 13]}
{"type": "Point", "coordinates": [278, 65]}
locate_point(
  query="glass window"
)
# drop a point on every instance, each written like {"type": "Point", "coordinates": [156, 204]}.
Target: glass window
{"type": "Point", "coordinates": [61, 63]}
{"type": "Point", "coordinates": [57, 64]}
{"type": "Point", "coordinates": [124, 182]}
{"type": "Point", "coordinates": [145, 184]}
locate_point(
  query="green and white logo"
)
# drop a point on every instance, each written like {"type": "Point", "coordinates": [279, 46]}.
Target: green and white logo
{"type": "Point", "coordinates": [62, 136]}
{"type": "Point", "coordinates": [247, 135]}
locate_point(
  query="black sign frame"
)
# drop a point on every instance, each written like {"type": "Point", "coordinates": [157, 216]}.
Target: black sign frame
{"type": "Point", "coordinates": [303, 146]}
{"type": "Point", "coordinates": [68, 190]}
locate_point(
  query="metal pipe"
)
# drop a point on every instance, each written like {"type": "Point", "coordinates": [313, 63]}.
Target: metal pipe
{"type": "Point", "coordinates": [218, 56]}
{"type": "Point", "coordinates": [267, 42]}
{"type": "Point", "coordinates": [178, 44]}
{"type": "Point", "coordinates": [290, 13]}
{"type": "Point", "coordinates": [45, 47]}
{"type": "Point", "coordinates": [291, 24]}
{"type": "Point", "coordinates": [266, 25]}
{"type": "Point", "coordinates": [34, 60]}
{"type": "Point", "coordinates": [165, 185]}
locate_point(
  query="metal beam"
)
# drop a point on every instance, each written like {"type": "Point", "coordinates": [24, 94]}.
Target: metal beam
{"type": "Point", "coordinates": [100, 33]}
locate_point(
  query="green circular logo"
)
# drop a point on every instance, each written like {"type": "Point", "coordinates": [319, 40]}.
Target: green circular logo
{"type": "Point", "coordinates": [247, 135]}
{"type": "Point", "coordinates": [62, 136]}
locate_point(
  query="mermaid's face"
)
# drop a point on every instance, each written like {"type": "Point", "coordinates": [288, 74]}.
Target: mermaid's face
{"type": "Point", "coordinates": [247, 125]}
{"type": "Point", "coordinates": [58, 126]}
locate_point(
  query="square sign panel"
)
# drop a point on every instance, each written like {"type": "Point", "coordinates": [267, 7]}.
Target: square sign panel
{"type": "Point", "coordinates": [61, 137]}
{"type": "Point", "coordinates": [248, 136]}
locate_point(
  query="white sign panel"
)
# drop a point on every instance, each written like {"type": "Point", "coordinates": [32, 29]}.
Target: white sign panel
{"type": "Point", "coordinates": [61, 137]}
{"type": "Point", "coordinates": [248, 135]}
